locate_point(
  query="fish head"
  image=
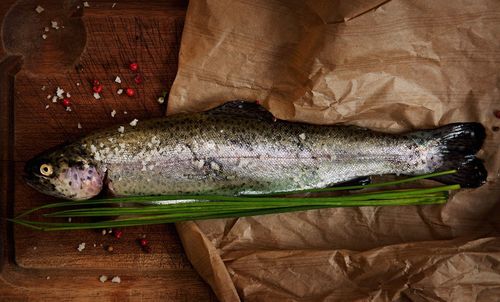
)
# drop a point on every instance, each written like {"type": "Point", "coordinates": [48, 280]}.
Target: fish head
{"type": "Point", "coordinates": [64, 173]}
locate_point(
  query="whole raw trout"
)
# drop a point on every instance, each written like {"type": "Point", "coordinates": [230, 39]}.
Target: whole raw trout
{"type": "Point", "coordinates": [239, 148]}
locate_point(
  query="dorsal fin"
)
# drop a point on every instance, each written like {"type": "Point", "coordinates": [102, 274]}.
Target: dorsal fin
{"type": "Point", "coordinates": [242, 108]}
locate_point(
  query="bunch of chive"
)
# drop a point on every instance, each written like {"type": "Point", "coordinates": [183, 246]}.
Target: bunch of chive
{"type": "Point", "coordinates": [197, 207]}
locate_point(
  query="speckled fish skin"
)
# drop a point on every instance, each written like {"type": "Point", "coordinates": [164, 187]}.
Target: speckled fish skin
{"type": "Point", "coordinates": [237, 150]}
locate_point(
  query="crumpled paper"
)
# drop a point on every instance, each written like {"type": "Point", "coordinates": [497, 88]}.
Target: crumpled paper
{"type": "Point", "coordinates": [387, 65]}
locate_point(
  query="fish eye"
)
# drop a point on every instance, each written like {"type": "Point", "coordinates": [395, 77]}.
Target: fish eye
{"type": "Point", "coordinates": [46, 169]}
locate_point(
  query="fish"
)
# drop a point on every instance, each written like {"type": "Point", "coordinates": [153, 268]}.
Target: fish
{"type": "Point", "coordinates": [239, 148]}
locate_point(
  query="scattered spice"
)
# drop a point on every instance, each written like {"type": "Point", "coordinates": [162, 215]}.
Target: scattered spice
{"type": "Point", "coordinates": [495, 128]}
{"type": "Point", "coordinates": [49, 96]}
{"type": "Point", "coordinates": [143, 242]}
{"type": "Point", "coordinates": [116, 279]}
{"type": "Point", "coordinates": [118, 234]}
{"type": "Point", "coordinates": [39, 9]}
{"type": "Point", "coordinates": [43, 88]}
{"type": "Point", "coordinates": [133, 66]}
{"type": "Point", "coordinates": [81, 246]}
{"type": "Point", "coordinates": [125, 112]}
{"type": "Point", "coordinates": [96, 83]}
{"type": "Point", "coordinates": [138, 79]}
{"type": "Point", "coordinates": [147, 249]}
{"type": "Point", "coordinates": [97, 88]}
{"type": "Point", "coordinates": [48, 277]}
{"type": "Point", "coordinates": [46, 29]}
{"type": "Point", "coordinates": [66, 102]}
{"type": "Point", "coordinates": [109, 249]}
{"type": "Point", "coordinates": [130, 92]}
{"type": "Point", "coordinates": [103, 278]}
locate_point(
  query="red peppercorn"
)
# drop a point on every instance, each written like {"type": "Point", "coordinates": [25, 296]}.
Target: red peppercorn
{"type": "Point", "coordinates": [143, 242]}
{"type": "Point", "coordinates": [96, 83]}
{"type": "Point", "coordinates": [497, 113]}
{"type": "Point", "coordinates": [118, 234]}
{"type": "Point", "coordinates": [97, 88]}
{"type": "Point", "coordinates": [138, 79]}
{"type": "Point", "coordinates": [130, 92]}
{"type": "Point", "coordinates": [66, 102]}
{"type": "Point", "coordinates": [133, 66]}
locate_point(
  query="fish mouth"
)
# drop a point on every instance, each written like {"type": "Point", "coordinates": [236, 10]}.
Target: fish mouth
{"type": "Point", "coordinates": [35, 182]}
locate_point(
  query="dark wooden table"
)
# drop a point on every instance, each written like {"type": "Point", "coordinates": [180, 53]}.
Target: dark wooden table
{"type": "Point", "coordinates": [96, 42]}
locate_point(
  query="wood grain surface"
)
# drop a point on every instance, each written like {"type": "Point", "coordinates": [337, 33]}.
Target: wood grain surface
{"type": "Point", "coordinates": [96, 42]}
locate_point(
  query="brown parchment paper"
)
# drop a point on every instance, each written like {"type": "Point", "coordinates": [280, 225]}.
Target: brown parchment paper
{"type": "Point", "coordinates": [386, 65]}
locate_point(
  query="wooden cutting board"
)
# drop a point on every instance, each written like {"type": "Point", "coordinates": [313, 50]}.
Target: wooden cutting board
{"type": "Point", "coordinates": [95, 42]}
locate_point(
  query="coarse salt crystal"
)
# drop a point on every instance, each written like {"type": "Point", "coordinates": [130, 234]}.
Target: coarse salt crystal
{"type": "Point", "coordinates": [79, 126]}
{"type": "Point", "coordinates": [48, 97]}
{"type": "Point", "coordinates": [119, 91]}
{"type": "Point", "coordinates": [97, 96]}
{"type": "Point", "coordinates": [118, 80]}
{"type": "Point", "coordinates": [54, 24]}
{"type": "Point", "coordinates": [43, 88]}
{"type": "Point", "coordinates": [93, 149]}
{"type": "Point", "coordinates": [59, 92]}
{"type": "Point", "coordinates": [69, 219]}
{"type": "Point", "coordinates": [125, 112]}
{"type": "Point", "coordinates": [68, 109]}
{"type": "Point", "coordinates": [116, 279]}
{"type": "Point", "coordinates": [200, 163]}
{"type": "Point", "coordinates": [46, 28]}
{"type": "Point", "coordinates": [48, 277]}
{"type": "Point", "coordinates": [114, 4]}
{"type": "Point", "coordinates": [68, 95]}
{"type": "Point", "coordinates": [113, 113]}
{"type": "Point", "coordinates": [39, 9]}
{"type": "Point", "coordinates": [77, 84]}
{"type": "Point", "coordinates": [104, 232]}
{"type": "Point", "coordinates": [214, 166]}
{"type": "Point", "coordinates": [302, 136]}
{"type": "Point", "coordinates": [44, 36]}
{"type": "Point", "coordinates": [161, 100]}
{"type": "Point", "coordinates": [134, 122]}
{"type": "Point", "coordinates": [121, 129]}
{"type": "Point", "coordinates": [47, 106]}
{"type": "Point", "coordinates": [103, 278]}
{"type": "Point", "coordinates": [81, 246]}
{"type": "Point", "coordinates": [86, 4]}
{"type": "Point", "coordinates": [54, 99]}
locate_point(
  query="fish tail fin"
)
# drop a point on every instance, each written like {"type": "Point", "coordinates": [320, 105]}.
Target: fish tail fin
{"type": "Point", "coordinates": [457, 144]}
